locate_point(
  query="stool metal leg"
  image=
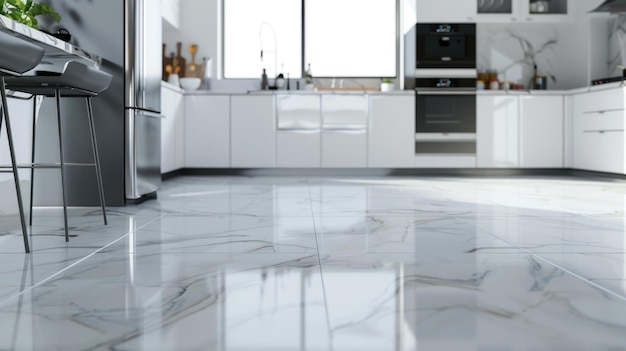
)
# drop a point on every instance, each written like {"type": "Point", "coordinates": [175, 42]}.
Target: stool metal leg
{"type": "Point", "coordinates": [96, 158]}
{"type": "Point", "coordinates": [32, 159]}
{"type": "Point", "coordinates": [16, 177]}
{"type": "Point", "coordinates": [57, 95]}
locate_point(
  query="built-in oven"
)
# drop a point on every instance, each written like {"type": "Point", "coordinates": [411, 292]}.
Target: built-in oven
{"type": "Point", "coordinates": [446, 45]}
{"type": "Point", "coordinates": [445, 115]}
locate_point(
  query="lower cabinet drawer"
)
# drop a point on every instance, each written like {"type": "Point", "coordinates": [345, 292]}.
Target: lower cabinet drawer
{"type": "Point", "coordinates": [601, 120]}
{"type": "Point", "coordinates": [599, 151]}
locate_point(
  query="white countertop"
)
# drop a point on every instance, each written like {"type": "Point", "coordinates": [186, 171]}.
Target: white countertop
{"type": "Point", "coordinates": [609, 86]}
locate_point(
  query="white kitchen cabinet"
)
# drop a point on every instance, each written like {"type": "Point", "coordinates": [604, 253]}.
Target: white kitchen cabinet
{"type": "Point", "coordinates": [391, 134]}
{"type": "Point", "coordinates": [598, 131]}
{"type": "Point", "coordinates": [170, 11]}
{"type": "Point", "coordinates": [507, 11]}
{"type": "Point", "coordinates": [253, 131]}
{"type": "Point", "coordinates": [298, 138]}
{"type": "Point", "coordinates": [344, 130]}
{"type": "Point", "coordinates": [497, 131]}
{"type": "Point", "coordinates": [504, 11]}
{"type": "Point", "coordinates": [558, 11]}
{"type": "Point", "coordinates": [448, 11]}
{"type": "Point", "coordinates": [172, 130]}
{"type": "Point", "coordinates": [541, 132]}
{"type": "Point", "coordinates": [207, 131]}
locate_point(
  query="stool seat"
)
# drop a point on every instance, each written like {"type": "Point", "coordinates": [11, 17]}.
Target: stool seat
{"type": "Point", "coordinates": [76, 80]}
{"type": "Point", "coordinates": [18, 55]}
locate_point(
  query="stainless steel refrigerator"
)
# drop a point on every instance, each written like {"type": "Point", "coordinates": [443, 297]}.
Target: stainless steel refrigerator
{"type": "Point", "coordinates": [127, 35]}
{"type": "Point", "coordinates": [142, 106]}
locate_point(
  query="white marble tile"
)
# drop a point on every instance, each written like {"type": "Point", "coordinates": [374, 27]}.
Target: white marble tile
{"type": "Point", "coordinates": [477, 301]}
{"type": "Point", "coordinates": [443, 235]}
{"type": "Point", "coordinates": [591, 266]}
{"type": "Point", "coordinates": [563, 234]}
{"type": "Point", "coordinates": [224, 234]}
{"type": "Point", "coordinates": [408, 263]}
{"type": "Point", "coordinates": [47, 235]}
{"type": "Point", "coordinates": [182, 302]}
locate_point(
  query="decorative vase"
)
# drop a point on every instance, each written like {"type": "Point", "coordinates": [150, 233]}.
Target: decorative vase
{"type": "Point", "coordinates": [386, 86]}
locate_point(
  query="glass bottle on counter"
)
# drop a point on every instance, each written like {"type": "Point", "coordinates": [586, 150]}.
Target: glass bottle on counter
{"type": "Point", "coordinates": [264, 83]}
{"type": "Point", "coordinates": [308, 76]}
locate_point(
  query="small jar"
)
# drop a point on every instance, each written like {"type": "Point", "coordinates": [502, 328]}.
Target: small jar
{"type": "Point", "coordinates": [505, 86]}
{"type": "Point", "coordinates": [480, 85]}
{"type": "Point", "coordinates": [494, 85]}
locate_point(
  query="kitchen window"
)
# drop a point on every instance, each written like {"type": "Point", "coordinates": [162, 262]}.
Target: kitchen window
{"type": "Point", "coordinates": [273, 27]}
{"type": "Point", "coordinates": [351, 38]}
{"type": "Point", "coordinates": [342, 38]}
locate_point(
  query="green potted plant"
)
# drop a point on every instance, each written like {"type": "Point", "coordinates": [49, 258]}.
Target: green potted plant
{"type": "Point", "coordinates": [386, 85]}
{"type": "Point", "coordinates": [25, 12]}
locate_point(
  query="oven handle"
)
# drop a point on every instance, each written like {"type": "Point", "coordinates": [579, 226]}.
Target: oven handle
{"type": "Point", "coordinates": [447, 92]}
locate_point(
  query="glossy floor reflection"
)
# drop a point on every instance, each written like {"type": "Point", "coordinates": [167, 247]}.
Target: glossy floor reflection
{"type": "Point", "coordinates": [337, 263]}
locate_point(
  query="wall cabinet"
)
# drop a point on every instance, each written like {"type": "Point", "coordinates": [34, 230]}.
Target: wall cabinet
{"type": "Point", "coordinates": [598, 131]}
{"type": "Point", "coordinates": [391, 134]}
{"type": "Point", "coordinates": [344, 131]}
{"type": "Point", "coordinates": [207, 131]}
{"type": "Point", "coordinates": [253, 131]}
{"type": "Point", "coordinates": [449, 11]}
{"type": "Point", "coordinates": [507, 11]}
{"type": "Point", "coordinates": [298, 137]}
{"type": "Point", "coordinates": [541, 132]}
{"type": "Point", "coordinates": [172, 130]}
{"type": "Point", "coordinates": [497, 135]}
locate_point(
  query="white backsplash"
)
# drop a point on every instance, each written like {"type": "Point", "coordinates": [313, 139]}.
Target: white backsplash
{"type": "Point", "coordinates": [513, 49]}
{"type": "Point", "coordinates": [617, 45]}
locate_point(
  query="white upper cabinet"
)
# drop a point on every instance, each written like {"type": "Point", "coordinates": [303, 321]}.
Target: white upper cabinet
{"type": "Point", "coordinates": [548, 11]}
{"type": "Point", "coordinates": [448, 11]}
{"type": "Point", "coordinates": [170, 11]}
{"type": "Point", "coordinates": [499, 11]}
{"type": "Point", "coordinates": [525, 11]}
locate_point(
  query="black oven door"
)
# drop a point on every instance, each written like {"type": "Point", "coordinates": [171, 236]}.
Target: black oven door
{"type": "Point", "coordinates": [445, 111]}
{"type": "Point", "coordinates": [446, 46]}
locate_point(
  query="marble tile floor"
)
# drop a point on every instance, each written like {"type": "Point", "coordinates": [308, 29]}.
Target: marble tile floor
{"type": "Point", "coordinates": [327, 263]}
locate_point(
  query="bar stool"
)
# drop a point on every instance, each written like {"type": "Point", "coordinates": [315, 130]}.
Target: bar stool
{"type": "Point", "coordinates": [16, 57]}
{"type": "Point", "coordinates": [77, 80]}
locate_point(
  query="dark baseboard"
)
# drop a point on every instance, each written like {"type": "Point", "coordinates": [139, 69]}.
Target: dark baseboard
{"type": "Point", "coordinates": [390, 172]}
{"type": "Point", "coordinates": [142, 199]}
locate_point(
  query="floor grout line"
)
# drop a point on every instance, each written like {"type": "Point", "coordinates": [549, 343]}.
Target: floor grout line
{"type": "Point", "coordinates": [81, 260]}
{"type": "Point", "coordinates": [575, 275]}
{"type": "Point", "coordinates": [319, 260]}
